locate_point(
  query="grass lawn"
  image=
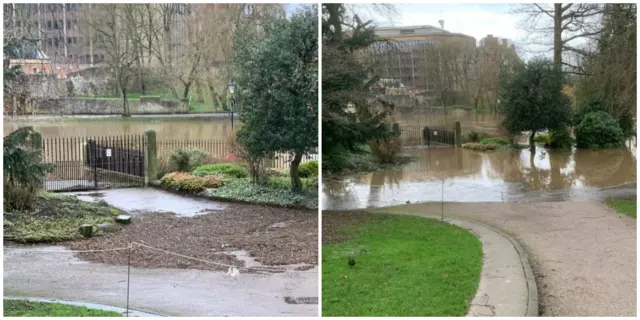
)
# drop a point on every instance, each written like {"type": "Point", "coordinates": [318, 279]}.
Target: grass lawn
{"type": "Point", "coordinates": [405, 266]}
{"type": "Point", "coordinates": [23, 308]}
{"type": "Point", "coordinates": [626, 206]}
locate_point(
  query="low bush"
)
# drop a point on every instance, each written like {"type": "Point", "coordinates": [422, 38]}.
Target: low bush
{"type": "Point", "coordinates": [541, 138]}
{"type": "Point", "coordinates": [186, 159]}
{"type": "Point", "coordinates": [560, 138]}
{"type": "Point", "coordinates": [226, 169]}
{"type": "Point", "coordinates": [24, 171]}
{"type": "Point", "coordinates": [599, 130]}
{"type": "Point", "coordinates": [308, 169]}
{"type": "Point", "coordinates": [495, 141]}
{"type": "Point", "coordinates": [274, 192]}
{"type": "Point", "coordinates": [55, 218]}
{"type": "Point", "coordinates": [186, 182]}
{"type": "Point", "coordinates": [479, 146]}
{"type": "Point", "coordinates": [476, 136]}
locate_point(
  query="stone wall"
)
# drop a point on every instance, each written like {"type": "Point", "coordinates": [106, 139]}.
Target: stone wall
{"type": "Point", "coordinates": [107, 107]}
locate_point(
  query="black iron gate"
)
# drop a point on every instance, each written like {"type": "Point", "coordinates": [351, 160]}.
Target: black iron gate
{"type": "Point", "coordinates": [431, 136]}
{"type": "Point", "coordinates": [439, 135]}
{"type": "Point", "coordinates": [95, 163]}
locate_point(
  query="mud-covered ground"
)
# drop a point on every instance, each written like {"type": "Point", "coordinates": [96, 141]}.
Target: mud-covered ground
{"type": "Point", "coordinates": [272, 236]}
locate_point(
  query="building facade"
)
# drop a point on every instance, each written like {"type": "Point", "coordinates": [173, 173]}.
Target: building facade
{"type": "Point", "coordinates": [415, 56]}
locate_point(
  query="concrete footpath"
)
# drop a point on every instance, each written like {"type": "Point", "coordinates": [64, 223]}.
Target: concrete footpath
{"type": "Point", "coordinates": [167, 292]}
{"type": "Point", "coordinates": [583, 254]}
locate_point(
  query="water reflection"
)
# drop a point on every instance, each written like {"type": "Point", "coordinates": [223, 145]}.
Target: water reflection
{"type": "Point", "coordinates": [472, 176]}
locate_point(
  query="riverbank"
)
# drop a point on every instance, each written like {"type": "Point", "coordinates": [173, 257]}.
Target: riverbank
{"type": "Point", "coordinates": [138, 117]}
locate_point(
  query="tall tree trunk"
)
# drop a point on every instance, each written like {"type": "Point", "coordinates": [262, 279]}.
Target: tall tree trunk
{"type": "Point", "coordinates": [199, 91]}
{"type": "Point", "coordinates": [532, 143]}
{"type": "Point", "coordinates": [125, 103]}
{"type": "Point", "coordinates": [557, 35]}
{"type": "Point", "coordinates": [296, 184]}
{"type": "Point", "coordinates": [187, 86]}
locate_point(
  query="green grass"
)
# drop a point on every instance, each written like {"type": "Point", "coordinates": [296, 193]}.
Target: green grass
{"type": "Point", "coordinates": [55, 218]}
{"type": "Point", "coordinates": [495, 141]}
{"type": "Point", "coordinates": [405, 266]}
{"type": "Point", "coordinates": [626, 206]}
{"type": "Point", "coordinates": [23, 308]}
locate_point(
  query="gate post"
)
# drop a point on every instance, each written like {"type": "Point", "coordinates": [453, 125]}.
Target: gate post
{"type": "Point", "coordinates": [458, 135]}
{"type": "Point", "coordinates": [151, 158]}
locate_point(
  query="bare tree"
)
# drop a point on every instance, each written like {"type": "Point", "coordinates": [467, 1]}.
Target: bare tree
{"type": "Point", "coordinates": [562, 26]}
{"type": "Point", "coordinates": [114, 25]}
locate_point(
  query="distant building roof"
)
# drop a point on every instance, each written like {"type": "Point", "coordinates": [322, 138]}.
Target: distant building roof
{"type": "Point", "coordinates": [423, 30]}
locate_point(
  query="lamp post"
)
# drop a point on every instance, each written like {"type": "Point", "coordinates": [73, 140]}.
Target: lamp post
{"type": "Point", "coordinates": [232, 87]}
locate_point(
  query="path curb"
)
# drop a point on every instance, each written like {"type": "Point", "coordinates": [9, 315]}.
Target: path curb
{"type": "Point", "coordinates": [132, 313]}
{"type": "Point", "coordinates": [532, 286]}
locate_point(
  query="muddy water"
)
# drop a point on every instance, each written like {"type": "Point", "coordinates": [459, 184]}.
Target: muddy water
{"type": "Point", "coordinates": [469, 120]}
{"type": "Point", "coordinates": [166, 128]}
{"type": "Point", "coordinates": [472, 176]}
{"type": "Point", "coordinates": [456, 174]}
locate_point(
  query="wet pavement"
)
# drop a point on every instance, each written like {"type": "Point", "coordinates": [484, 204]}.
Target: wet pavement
{"type": "Point", "coordinates": [168, 292]}
{"type": "Point", "coordinates": [138, 200]}
{"type": "Point", "coordinates": [582, 253]}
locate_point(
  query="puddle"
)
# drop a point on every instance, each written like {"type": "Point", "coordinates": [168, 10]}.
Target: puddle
{"type": "Point", "coordinates": [139, 200]}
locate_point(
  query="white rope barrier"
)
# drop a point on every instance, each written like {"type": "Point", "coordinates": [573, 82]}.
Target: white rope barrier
{"type": "Point", "coordinates": [232, 269]}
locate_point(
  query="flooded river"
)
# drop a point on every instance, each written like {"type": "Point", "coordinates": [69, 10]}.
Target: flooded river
{"type": "Point", "coordinates": [461, 175]}
{"type": "Point", "coordinates": [169, 128]}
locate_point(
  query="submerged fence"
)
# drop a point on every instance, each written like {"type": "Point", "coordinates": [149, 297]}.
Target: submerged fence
{"type": "Point", "coordinates": [429, 134]}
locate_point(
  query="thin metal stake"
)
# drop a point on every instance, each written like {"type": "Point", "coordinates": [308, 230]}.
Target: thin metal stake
{"type": "Point", "coordinates": [128, 276]}
{"type": "Point", "coordinates": [442, 201]}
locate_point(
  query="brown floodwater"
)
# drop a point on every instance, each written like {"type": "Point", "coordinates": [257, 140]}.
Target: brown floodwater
{"type": "Point", "coordinates": [169, 128]}
{"type": "Point", "coordinates": [462, 175]}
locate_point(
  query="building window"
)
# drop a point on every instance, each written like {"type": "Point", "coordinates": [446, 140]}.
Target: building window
{"type": "Point", "coordinates": [49, 25]}
{"type": "Point", "coordinates": [407, 32]}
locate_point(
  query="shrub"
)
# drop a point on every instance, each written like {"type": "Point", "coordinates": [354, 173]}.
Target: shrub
{"type": "Point", "coordinates": [475, 136]}
{"type": "Point", "coordinates": [186, 159]}
{"type": "Point", "coordinates": [182, 181]}
{"type": "Point", "coordinates": [385, 151]}
{"type": "Point", "coordinates": [308, 169]}
{"type": "Point", "coordinates": [542, 138]}
{"type": "Point", "coordinates": [279, 183]}
{"type": "Point", "coordinates": [24, 171]}
{"type": "Point", "coordinates": [599, 130]}
{"type": "Point", "coordinates": [479, 146]}
{"type": "Point", "coordinates": [495, 141]}
{"type": "Point", "coordinates": [227, 169]}
{"type": "Point", "coordinates": [589, 107]}
{"type": "Point", "coordinates": [560, 138]}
